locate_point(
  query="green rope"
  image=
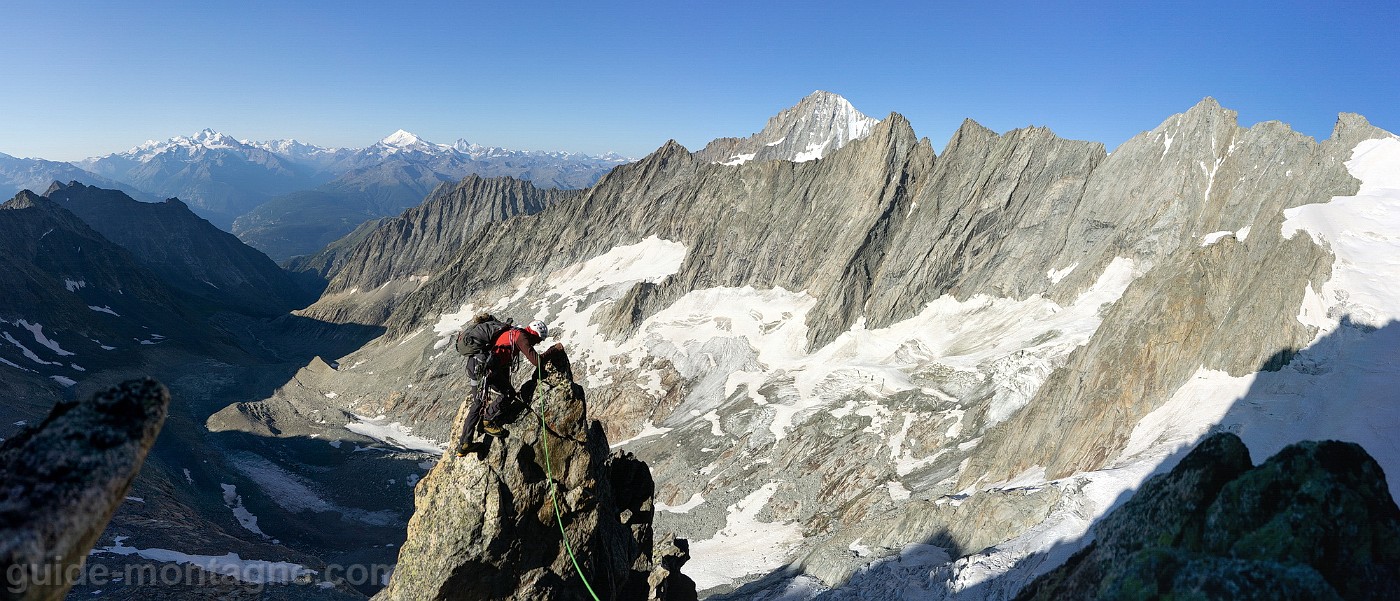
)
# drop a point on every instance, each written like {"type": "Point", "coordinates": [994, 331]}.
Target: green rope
{"type": "Point", "coordinates": [553, 487]}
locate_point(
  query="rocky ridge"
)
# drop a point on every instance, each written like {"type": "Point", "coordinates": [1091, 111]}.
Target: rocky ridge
{"type": "Point", "coordinates": [864, 396]}
{"type": "Point", "coordinates": [188, 252]}
{"type": "Point", "coordinates": [1229, 306]}
{"type": "Point", "coordinates": [398, 254]}
{"type": "Point", "coordinates": [1315, 521]}
{"type": "Point", "coordinates": [489, 525]}
{"type": "Point", "coordinates": [65, 477]}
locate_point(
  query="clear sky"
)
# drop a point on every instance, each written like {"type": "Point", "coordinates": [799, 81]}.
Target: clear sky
{"type": "Point", "coordinates": [94, 77]}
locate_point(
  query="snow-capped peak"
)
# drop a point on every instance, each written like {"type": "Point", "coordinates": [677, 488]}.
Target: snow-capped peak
{"type": "Point", "coordinates": [401, 139]}
{"type": "Point", "coordinates": [209, 138]}
{"type": "Point", "coordinates": [821, 123]}
{"type": "Point", "coordinates": [205, 139]}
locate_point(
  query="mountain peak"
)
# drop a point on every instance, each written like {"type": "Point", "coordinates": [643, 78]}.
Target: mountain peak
{"type": "Point", "coordinates": [823, 97]}
{"type": "Point", "coordinates": [205, 138]}
{"type": "Point", "coordinates": [1209, 108]}
{"type": "Point", "coordinates": [819, 124]}
{"type": "Point", "coordinates": [401, 139]}
{"type": "Point", "coordinates": [210, 139]}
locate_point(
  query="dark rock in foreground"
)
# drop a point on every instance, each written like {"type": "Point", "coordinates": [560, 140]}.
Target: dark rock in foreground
{"type": "Point", "coordinates": [487, 526]}
{"type": "Point", "coordinates": [1315, 521]}
{"type": "Point", "coordinates": [63, 480]}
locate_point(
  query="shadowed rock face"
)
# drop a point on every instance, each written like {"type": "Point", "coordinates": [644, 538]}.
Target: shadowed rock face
{"type": "Point", "coordinates": [1315, 521]}
{"type": "Point", "coordinates": [186, 251]}
{"type": "Point", "coordinates": [63, 480]}
{"type": "Point", "coordinates": [488, 525]}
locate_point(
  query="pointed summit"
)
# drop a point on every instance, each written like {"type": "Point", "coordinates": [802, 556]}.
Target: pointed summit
{"type": "Point", "coordinates": [819, 124]}
{"type": "Point", "coordinates": [401, 139]}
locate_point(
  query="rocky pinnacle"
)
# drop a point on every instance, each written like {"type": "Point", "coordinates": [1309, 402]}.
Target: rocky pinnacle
{"type": "Point", "coordinates": [546, 512]}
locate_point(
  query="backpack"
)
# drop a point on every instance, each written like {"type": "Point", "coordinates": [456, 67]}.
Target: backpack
{"type": "Point", "coordinates": [478, 338]}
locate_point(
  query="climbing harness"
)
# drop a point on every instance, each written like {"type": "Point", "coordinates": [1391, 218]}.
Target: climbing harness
{"type": "Point", "coordinates": [553, 486]}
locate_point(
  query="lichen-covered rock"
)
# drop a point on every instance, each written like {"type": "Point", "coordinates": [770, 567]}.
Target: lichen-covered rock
{"type": "Point", "coordinates": [1324, 504]}
{"type": "Point", "coordinates": [60, 482]}
{"type": "Point", "coordinates": [488, 525]}
{"type": "Point", "coordinates": [1316, 521]}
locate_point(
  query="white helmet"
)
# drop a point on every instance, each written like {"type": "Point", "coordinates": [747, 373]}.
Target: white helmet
{"type": "Point", "coordinates": [538, 328]}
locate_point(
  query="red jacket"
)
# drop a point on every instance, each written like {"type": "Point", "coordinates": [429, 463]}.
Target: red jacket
{"type": "Point", "coordinates": [511, 342]}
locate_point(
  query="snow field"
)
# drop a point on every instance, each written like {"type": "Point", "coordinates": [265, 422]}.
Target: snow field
{"type": "Point", "coordinates": [1020, 341]}
{"type": "Point", "coordinates": [394, 434]}
{"type": "Point", "coordinates": [745, 545]}
{"type": "Point", "coordinates": [230, 564]}
{"type": "Point", "coordinates": [1332, 390]}
{"type": "Point", "coordinates": [1336, 388]}
{"type": "Point", "coordinates": [245, 518]}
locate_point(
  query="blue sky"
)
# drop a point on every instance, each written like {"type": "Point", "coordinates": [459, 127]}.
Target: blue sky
{"type": "Point", "coordinates": [90, 78]}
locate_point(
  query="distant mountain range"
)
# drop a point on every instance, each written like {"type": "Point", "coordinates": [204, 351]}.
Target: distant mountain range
{"type": "Point", "coordinates": [218, 176]}
{"type": "Point", "coordinates": [326, 190]}
{"type": "Point", "coordinates": [36, 175]}
{"type": "Point", "coordinates": [288, 198]}
{"type": "Point", "coordinates": [394, 174]}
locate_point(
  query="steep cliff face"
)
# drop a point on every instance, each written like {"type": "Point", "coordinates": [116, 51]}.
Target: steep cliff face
{"type": "Point", "coordinates": [746, 224]}
{"type": "Point", "coordinates": [544, 513]}
{"type": "Point", "coordinates": [1228, 306]}
{"type": "Point", "coordinates": [65, 477]}
{"type": "Point", "coordinates": [392, 259]}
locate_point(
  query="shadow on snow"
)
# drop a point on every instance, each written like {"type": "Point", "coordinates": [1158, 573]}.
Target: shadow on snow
{"type": "Point", "coordinates": [1333, 389]}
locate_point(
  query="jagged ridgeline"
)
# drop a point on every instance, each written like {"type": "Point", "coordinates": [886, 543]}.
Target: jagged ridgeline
{"type": "Point", "coordinates": [891, 352]}
{"type": "Point", "coordinates": [838, 362]}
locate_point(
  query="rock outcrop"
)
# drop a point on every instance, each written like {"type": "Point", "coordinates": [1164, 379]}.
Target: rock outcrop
{"type": "Point", "coordinates": [1315, 521]}
{"type": "Point", "coordinates": [545, 513]}
{"type": "Point", "coordinates": [63, 479]}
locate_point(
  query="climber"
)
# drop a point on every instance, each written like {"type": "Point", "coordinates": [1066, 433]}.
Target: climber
{"type": "Point", "coordinates": [492, 386]}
